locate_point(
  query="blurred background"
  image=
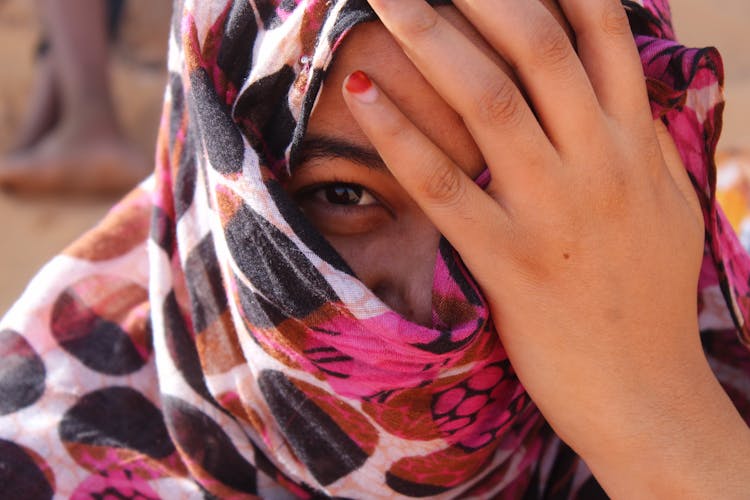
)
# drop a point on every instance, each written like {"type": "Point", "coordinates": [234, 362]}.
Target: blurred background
{"type": "Point", "coordinates": [35, 228]}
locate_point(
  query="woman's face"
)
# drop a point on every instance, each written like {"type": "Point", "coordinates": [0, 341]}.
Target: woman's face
{"type": "Point", "coordinates": [347, 192]}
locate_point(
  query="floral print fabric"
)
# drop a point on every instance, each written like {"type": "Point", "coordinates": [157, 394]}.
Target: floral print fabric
{"type": "Point", "coordinates": [205, 341]}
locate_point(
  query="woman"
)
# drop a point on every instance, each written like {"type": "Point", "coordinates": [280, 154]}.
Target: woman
{"type": "Point", "coordinates": [294, 324]}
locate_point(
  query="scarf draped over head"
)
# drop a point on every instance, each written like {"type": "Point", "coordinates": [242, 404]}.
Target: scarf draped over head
{"type": "Point", "coordinates": [205, 340]}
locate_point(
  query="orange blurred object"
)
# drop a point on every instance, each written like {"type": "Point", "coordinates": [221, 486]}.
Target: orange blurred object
{"type": "Point", "coordinates": [733, 190]}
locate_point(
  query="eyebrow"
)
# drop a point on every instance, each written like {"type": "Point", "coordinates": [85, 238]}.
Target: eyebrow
{"type": "Point", "coordinates": [323, 147]}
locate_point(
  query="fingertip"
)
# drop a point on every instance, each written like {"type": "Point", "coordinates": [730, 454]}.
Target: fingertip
{"type": "Point", "coordinates": [360, 87]}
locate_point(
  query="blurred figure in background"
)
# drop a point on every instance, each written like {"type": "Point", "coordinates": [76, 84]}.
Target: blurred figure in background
{"type": "Point", "coordinates": [70, 140]}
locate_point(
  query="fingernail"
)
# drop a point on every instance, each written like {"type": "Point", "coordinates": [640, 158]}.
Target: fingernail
{"type": "Point", "coordinates": [359, 85]}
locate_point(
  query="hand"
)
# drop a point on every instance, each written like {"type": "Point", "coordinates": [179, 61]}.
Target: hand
{"type": "Point", "coordinates": [588, 240]}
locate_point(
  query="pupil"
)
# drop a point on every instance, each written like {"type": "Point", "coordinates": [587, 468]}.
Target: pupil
{"type": "Point", "coordinates": [344, 194]}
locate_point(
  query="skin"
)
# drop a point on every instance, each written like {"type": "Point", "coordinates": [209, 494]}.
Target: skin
{"type": "Point", "coordinates": [386, 238]}
{"type": "Point", "coordinates": [611, 357]}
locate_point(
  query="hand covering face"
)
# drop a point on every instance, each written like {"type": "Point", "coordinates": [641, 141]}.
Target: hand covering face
{"type": "Point", "coordinates": [205, 341]}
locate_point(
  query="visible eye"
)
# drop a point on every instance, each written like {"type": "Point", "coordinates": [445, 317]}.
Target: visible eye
{"type": "Point", "coordinates": [342, 194]}
{"type": "Point", "coordinates": [342, 208]}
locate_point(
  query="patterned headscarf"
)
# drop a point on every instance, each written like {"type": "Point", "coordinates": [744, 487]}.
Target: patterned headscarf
{"type": "Point", "coordinates": [206, 341]}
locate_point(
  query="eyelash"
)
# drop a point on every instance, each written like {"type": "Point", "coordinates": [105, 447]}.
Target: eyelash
{"type": "Point", "coordinates": [318, 194]}
{"type": "Point", "coordinates": [334, 219]}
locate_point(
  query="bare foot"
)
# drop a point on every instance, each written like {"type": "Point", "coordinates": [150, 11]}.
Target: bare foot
{"type": "Point", "coordinates": [42, 110]}
{"type": "Point", "coordinates": [62, 164]}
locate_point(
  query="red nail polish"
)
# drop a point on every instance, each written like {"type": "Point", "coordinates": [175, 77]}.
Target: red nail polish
{"type": "Point", "coordinates": [361, 88]}
{"type": "Point", "coordinates": [358, 83]}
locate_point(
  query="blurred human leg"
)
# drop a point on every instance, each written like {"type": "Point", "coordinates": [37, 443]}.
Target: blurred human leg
{"type": "Point", "coordinates": [86, 150]}
{"type": "Point", "coordinates": [43, 108]}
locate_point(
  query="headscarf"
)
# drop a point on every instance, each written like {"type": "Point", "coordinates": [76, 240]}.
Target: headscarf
{"type": "Point", "coordinates": [204, 340]}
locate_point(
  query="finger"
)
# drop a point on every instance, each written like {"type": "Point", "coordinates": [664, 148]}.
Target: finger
{"type": "Point", "coordinates": [460, 210]}
{"type": "Point", "coordinates": [540, 52]}
{"type": "Point", "coordinates": [494, 110]}
{"type": "Point", "coordinates": [609, 54]}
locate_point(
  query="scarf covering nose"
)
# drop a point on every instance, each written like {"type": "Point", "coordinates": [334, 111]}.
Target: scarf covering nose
{"type": "Point", "coordinates": [205, 341]}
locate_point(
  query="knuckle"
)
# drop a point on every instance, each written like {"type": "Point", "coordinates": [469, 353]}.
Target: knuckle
{"type": "Point", "coordinates": [614, 20]}
{"type": "Point", "coordinates": [421, 25]}
{"type": "Point", "coordinates": [443, 185]}
{"type": "Point", "coordinates": [500, 102]}
{"type": "Point", "coordinates": [553, 48]}
{"type": "Point", "coordinates": [554, 53]}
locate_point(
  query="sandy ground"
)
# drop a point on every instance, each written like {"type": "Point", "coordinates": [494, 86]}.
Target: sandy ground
{"type": "Point", "coordinates": [34, 230]}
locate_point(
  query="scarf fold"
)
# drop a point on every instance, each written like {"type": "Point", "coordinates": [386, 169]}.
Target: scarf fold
{"type": "Point", "coordinates": [204, 340]}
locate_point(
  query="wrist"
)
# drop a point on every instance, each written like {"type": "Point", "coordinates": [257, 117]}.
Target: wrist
{"type": "Point", "coordinates": [681, 437]}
